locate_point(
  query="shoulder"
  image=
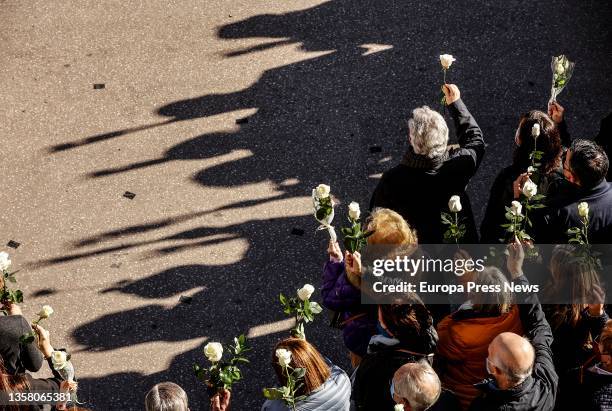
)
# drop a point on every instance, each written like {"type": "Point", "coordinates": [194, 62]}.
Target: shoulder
{"type": "Point", "coordinates": [12, 323]}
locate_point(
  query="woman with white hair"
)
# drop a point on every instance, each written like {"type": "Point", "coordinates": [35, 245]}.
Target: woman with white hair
{"type": "Point", "coordinates": [432, 171]}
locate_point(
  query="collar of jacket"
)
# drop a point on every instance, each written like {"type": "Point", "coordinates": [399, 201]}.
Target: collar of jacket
{"type": "Point", "coordinates": [489, 387]}
{"type": "Point", "coordinates": [600, 188]}
{"type": "Point", "coordinates": [414, 160]}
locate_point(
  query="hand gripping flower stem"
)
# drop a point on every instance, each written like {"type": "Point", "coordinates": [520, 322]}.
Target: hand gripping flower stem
{"type": "Point", "coordinates": [221, 375]}
{"type": "Point", "coordinates": [44, 313]}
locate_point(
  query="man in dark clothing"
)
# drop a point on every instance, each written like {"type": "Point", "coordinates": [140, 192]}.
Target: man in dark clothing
{"type": "Point", "coordinates": [419, 188]}
{"type": "Point", "coordinates": [523, 372]}
{"type": "Point", "coordinates": [585, 166]}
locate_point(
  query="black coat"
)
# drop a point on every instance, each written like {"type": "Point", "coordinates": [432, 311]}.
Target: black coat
{"type": "Point", "coordinates": [372, 385]}
{"type": "Point", "coordinates": [538, 391]}
{"type": "Point", "coordinates": [596, 393]}
{"type": "Point", "coordinates": [419, 189]}
{"type": "Point", "coordinates": [562, 214]}
{"type": "Point", "coordinates": [17, 357]}
{"type": "Point", "coordinates": [570, 351]}
{"type": "Point", "coordinates": [502, 195]}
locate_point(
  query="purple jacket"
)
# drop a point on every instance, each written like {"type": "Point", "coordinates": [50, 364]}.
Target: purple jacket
{"type": "Point", "coordinates": [341, 296]}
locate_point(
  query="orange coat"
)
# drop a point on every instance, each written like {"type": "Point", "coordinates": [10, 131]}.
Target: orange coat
{"type": "Point", "coordinates": [463, 348]}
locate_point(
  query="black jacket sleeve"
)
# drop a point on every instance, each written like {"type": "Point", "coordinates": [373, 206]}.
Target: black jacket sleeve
{"type": "Point", "coordinates": [46, 384]}
{"type": "Point", "coordinates": [30, 355]}
{"type": "Point", "coordinates": [540, 334]}
{"type": "Point", "coordinates": [471, 140]}
{"type": "Point", "coordinates": [490, 229]}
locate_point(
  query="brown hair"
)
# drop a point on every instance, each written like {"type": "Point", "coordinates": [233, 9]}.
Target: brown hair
{"type": "Point", "coordinates": [12, 383]}
{"type": "Point", "coordinates": [303, 355]}
{"type": "Point", "coordinates": [572, 280]}
{"type": "Point", "coordinates": [389, 228]}
{"type": "Point", "coordinates": [548, 142]}
{"type": "Point", "coordinates": [409, 323]}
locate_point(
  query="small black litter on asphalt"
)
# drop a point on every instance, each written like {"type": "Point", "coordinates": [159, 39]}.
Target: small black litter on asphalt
{"type": "Point", "coordinates": [99, 86]}
{"type": "Point", "coordinates": [297, 231]}
{"type": "Point", "coordinates": [13, 244]}
{"type": "Point", "coordinates": [375, 149]}
{"type": "Point", "coordinates": [243, 120]}
{"type": "Point", "coordinates": [154, 326]}
{"type": "Point", "coordinates": [129, 195]}
{"type": "Point", "coordinates": [185, 299]}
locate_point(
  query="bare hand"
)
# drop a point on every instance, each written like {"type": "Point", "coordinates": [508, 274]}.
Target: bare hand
{"type": "Point", "coordinates": [44, 342]}
{"type": "Point", "coordinates": [221, 401]}
{"type": "Point", "coordinates": [517, 186]}
{"type": "Point", "coordinates": [334, 251]}
{"type": "Point", "coordinates": [353, 263]}
{"type": "Point", "coordinates": [516, 256]}
{"type": "Point", "coordinates": [597, 308]}
{"type": "Point", "coordinates": [11, 308]}
{"type": "Point", "coordinates": [451, 93]}
{"type": "Point", "coordinates": [556, 111]}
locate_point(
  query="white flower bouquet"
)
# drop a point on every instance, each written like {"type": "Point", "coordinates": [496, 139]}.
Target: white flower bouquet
{"type": "Point", "coordinates": [562, 70]}
{"type": "Point", "coordinates": [323, 206]}
{"type": "Point", "coordinates": [64, 367]}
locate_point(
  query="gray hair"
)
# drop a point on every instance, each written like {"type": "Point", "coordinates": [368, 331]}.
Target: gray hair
{"type": "Point", "coordinates": [166, 396]}
{"type": "Point", "coordinates": [497, 303]}
{"type": "Point", "coordinates": [428, 132]}
{"type": "Point", "coordinates": [418, 384]}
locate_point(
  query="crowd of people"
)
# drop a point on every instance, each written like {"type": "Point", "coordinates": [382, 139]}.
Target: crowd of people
{"type": "Point", "coordinates": [513, 353]}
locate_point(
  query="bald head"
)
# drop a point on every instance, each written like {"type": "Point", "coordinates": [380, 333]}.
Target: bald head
{"type": "Point", "coordinates": [417, 384]}
{"type": "Point", "coordinates": [513, 357]}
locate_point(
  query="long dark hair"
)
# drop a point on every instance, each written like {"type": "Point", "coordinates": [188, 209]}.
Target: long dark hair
{"type": "Point", "coordinates": [571, 281]}
{"type": "Point", "coordinates": [549, 142]}
{"type": "Point", "coordinates": [12, 383]}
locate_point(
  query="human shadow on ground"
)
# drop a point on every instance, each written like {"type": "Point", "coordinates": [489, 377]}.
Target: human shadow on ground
{"type": "Point", "coordinates": [332, 118]}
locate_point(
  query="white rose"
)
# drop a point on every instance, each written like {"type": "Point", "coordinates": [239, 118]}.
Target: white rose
{"type": "Point", "coordinates": [59, 359]}
{"type": "Point", "coordinates": [323, 191]}
{"type": "Point", "coordinates": [305, 292]}
{"type": "Point", "coordinates": [5, 262]}
{"type": "Point", "coordinates": [45, 312]}
{"type": "Point", "coordinates": [284, 357]}
{"type": "Point", "coordinates": [354, 210]}
{"type": "Point", "coordinates": [560, 68]}
{"type": "Point", "coordinates": [530, 188]}
{"type": "Point", "coordinates": [454, 204]}
{"type": "Point", "coordinates": [531, 169]}
{"type": "Point", "coordinates": [398, 407]}
{"type": "Point", "coordinates": [446, 60]}
{"type": "Point", "coordinates": [535, 130]}
{"type": "Point", "coordinates": [516, 208]}
{"type": "Point", "coordinates": [583, 209]}
{"type": "Point", "coordinates": [213, 351]}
